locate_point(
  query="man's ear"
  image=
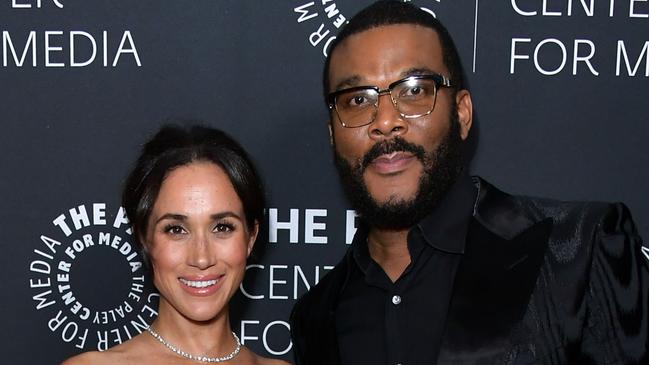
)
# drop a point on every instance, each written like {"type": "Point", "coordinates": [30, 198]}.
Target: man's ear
{"type": "Point", "coordinates": [331, 133]}
{"type": "Point", "coordinates": [464, 112]}
{"type": "Point", "coordinates": [253, 237]}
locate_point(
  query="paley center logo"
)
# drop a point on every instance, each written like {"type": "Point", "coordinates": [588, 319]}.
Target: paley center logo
{"type": "Point", "coordinates": [322, 19]}
{"type": "Point", "coordinates": [89, 280]}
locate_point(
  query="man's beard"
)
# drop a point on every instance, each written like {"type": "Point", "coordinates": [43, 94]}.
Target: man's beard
{"type": "Point", "coordinates": [441, 169]}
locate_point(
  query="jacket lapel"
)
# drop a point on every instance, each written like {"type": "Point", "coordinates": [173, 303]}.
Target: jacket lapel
{"type": "Point", "coordinates": [505, 249]}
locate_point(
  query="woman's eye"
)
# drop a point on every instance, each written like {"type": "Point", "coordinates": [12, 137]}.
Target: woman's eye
{"type": "Point", "coordinates": [174, 229]}
{"type": "Point", "coordinates": [223, 227]}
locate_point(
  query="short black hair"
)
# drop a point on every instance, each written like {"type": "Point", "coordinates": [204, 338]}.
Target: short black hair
{"type": "Point", "coordinates": [391, 12]}
{"type": "Point", "coordinates": [174, 146]}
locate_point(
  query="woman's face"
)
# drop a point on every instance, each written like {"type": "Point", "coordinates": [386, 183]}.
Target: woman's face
{"type": "Point", "coordinates": [198, 241]}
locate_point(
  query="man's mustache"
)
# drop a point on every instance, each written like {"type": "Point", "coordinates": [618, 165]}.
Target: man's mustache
{"type": "Point", "coordinates": [396, 144]}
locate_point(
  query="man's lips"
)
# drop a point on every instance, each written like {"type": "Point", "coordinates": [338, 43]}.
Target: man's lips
{"type": "Point", "coordinates": [392, 163]}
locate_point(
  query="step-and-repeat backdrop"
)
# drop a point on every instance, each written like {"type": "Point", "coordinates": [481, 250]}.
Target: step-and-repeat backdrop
{"type": "Point", "coordinates": [561, 89]}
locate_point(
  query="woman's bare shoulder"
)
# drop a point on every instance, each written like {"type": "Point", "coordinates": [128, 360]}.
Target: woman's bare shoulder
{"type": "Point", "coordinates": [249, 357]}
{"type": "Point", "coordinates": [268, 361]}
{"type": "Point", "coordinates": [91, 357]}
{"type": "Point", "coordinates": [126, 353]}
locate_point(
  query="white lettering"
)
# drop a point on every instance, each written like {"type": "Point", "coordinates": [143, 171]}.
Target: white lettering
{"type": "Point", "coordinates": [75, 63]}
{"type": "Point", "coordinates": [350, 226]}
{"type": "Point", "coordinates": [514, 55]}
{"type": "Point", "coordinates": [585, 59]}
{"type": "Point", "coordinates": [622, 53]}
{"type": "Point", "coordinates": [246, 293]}
{"type": "Point", "coordinates": [16, 5]}
{"type": "Point", "coordinates": [310, 226]}
{"type": "Point", "coordinates": [40, 267]}
{"type": "Point", "coordinates": [43, 300]}
{"type": "Point", "coordinates": [521, 12]}
{"type": "Point", "coordinates": [29, 44]}
{"type": "Point", "coordinates": [292, 225]}
{"type": "Point", "coordinates": [131, 49]}
{"type": "Point", "coordinates": [272, 282]}
{"type": "Point", "coordinates": [79, 217]}
{"type": "Point", "coordinates": [120, 219]}
{"type": "Point", "coordinates": [563, 56]}
{"type": "Point", "coordinates": [49, 49]}
{"type": "Point", "coordinates": [633, 14]}
{"type": "Point", "coordinates": [265, 336]}
{"type": "Point", "coordinates": [244, 336]}
{"type": "Point", "coordinates": [304, 14]}
{"type": "Point", "coordinates": [546, 12]}
{"type": "Point", "coordinates": [317, 36]}
{"type": "Point", "coordinates": [298, 273]}
{"type": "Point", "coordinates": [60, 222]}
{"type": "Point", "coordinates": [589, 9]}
{"type": "Point", "coordinates": [99, 213]}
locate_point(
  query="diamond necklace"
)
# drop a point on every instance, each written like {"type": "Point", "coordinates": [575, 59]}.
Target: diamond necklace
{"type": "Point", "coordinates": [182, 353]}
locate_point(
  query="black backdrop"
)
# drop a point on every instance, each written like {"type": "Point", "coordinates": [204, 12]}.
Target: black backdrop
{"type": "Point", "coordinates": [560, 89]}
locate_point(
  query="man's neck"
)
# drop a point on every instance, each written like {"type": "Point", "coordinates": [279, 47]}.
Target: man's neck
{"type": "Point", "coordinates": [389, 249]}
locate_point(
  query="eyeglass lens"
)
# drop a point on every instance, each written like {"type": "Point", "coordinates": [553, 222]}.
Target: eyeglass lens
{"type": "Point", "coordinates": [412, 98]}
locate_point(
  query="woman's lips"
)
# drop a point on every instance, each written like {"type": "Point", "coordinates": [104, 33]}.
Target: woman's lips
{"type": "Point", "coordinates": [392, 163]}
{"type": "Point", "coordinates": [201, 286]}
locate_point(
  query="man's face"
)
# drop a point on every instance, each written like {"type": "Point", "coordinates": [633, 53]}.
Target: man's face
{"type": "Point", "coordinates": [398, 163]}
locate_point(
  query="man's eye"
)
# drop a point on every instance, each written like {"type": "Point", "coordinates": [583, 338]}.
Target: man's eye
{"type": "Point", "coordinates": [356, 100]}
{"type": "Point", "coordinates": [414, 92]}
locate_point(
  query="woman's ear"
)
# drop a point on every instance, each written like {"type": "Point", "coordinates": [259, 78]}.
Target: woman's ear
{"type": "Point", "coordinates": [253, 237]}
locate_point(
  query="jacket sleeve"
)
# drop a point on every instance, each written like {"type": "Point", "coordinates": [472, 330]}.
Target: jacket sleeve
{"type": "Point", "coordinates": [296, 334]}
{"type": "Point", "coordinates": [617, 324]}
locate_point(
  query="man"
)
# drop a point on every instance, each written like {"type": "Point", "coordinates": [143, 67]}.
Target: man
{"type": "Point", "coordinates": [446, 268]}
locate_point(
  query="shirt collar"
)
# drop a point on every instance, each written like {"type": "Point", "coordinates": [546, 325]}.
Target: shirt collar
{"type": "Point", "coordinates": [445, 228]}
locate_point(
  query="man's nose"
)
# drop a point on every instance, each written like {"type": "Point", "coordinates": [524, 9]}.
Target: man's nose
{"type": "Point", "coordinates": [387, 122]}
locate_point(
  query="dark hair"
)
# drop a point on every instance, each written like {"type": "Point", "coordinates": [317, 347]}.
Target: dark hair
{"type": "Point", "coordinates": [174, 146]}
{"type": "Point", "coordinates": [390, 12]}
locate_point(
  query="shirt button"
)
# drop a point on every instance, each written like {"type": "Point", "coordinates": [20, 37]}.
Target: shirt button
{"type": "Point", "coordinates": [396, 300]}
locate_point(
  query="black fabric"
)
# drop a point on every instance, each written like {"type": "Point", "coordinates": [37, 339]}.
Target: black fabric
{"type": "Point", "coordinates": [540, 282]}
{"type": "Point", "coordinates": [411, 329]}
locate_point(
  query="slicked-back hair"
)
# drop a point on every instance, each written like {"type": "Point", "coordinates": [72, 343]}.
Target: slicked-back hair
{"type": "Point", "coordinates": [174, 146]}
{"type": "Point", "coordinates": [391, 12]}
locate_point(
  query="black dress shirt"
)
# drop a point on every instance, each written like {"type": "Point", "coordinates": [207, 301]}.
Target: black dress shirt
{"type": "Point", "coordinates": [383, 322]}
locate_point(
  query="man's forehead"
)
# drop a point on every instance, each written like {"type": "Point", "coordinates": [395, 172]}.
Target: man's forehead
{"type": "Point", "coordinates": [393, 51]}
{"type": "Point", "coordinates": [358, 80]}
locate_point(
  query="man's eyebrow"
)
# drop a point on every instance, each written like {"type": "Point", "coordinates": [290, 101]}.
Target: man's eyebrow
{"type": "Point", "coordinates": [416, 71]}
{"type": "Point", "coordinates": [347, 82]}
{"type": "Point", "coordinates": [355, 79]}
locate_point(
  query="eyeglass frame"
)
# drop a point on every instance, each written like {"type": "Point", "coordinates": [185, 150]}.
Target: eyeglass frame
{"type": "Point", "coordinates": [439, 80]}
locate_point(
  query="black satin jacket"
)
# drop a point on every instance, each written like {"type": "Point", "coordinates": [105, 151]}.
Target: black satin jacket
{"type": "Point", "coordinates": [540, 282]}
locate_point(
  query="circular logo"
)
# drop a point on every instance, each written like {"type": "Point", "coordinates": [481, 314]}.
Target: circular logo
{"type": "Point", "coordinates": [89, 279]}
{"type": "Point", "coordinates": [326, 17]}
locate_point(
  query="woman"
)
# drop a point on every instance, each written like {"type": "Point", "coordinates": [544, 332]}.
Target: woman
{"type": "Point", "coordinates": [195, 203]}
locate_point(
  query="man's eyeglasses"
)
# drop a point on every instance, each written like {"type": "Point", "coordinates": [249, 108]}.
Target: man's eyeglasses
{"type": "Point", "coordinates": [413, 97]}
